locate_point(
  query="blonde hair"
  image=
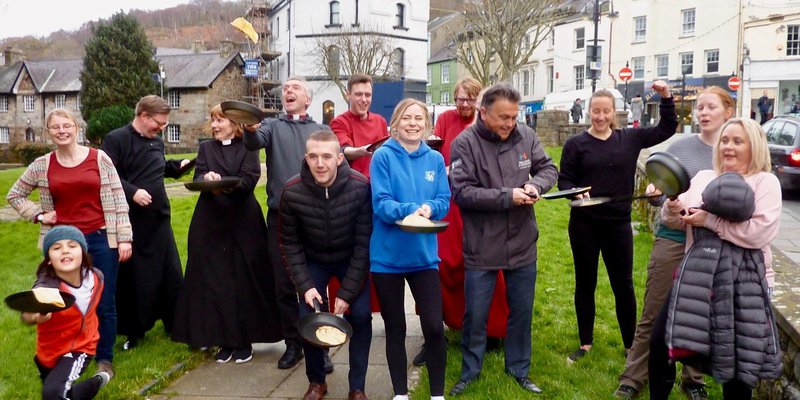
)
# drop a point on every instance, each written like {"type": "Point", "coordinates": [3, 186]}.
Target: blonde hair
{"type": "Point", "coordinates": [63, 113]}
{"type": "Point", "coordinates": [607, 94]}
{"type": "Point", "coordinates": [401, 108]}
{"type": "Point", "coordinates": [759, 151]}
{"type": "Point", "coordinates": [216, 112]}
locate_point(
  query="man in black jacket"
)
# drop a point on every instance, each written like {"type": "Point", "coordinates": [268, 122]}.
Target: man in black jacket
{"type": "Point", "coordinates": [324, 227]}
{"type": "Point", "coordinates": [498, 169]}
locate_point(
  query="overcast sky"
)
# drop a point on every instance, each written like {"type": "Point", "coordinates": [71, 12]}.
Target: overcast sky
{"type": "Point", "coordinates": [41, 17]}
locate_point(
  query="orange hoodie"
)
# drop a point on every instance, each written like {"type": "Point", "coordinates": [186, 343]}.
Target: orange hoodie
{"type": "Point", "coordinates": [68, 330]}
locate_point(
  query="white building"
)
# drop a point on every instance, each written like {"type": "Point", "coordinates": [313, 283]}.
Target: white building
{"type": "Point", "coordinates": [296, 26]}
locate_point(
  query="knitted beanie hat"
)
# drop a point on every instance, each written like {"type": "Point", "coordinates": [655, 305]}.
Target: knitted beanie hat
{"type": "Point", "coordinates": [62, 232]}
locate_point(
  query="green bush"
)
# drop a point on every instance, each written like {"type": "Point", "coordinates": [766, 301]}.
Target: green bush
{"type": "Point", "coordinates": [106, 120]}
{"type": "Point", "coordinates": [27, 152]}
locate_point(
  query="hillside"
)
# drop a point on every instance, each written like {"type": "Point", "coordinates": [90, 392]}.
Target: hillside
{"type": "Point", "coordinates": [206, 21]}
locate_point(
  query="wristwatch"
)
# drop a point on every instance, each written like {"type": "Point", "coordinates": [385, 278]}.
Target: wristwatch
{"type": "Point", "coordinates": [39, 218]}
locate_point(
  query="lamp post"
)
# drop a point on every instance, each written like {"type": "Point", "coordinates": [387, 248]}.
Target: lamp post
{"type": "Point", "coordinates": [596, 19]}
{"type": "Point", "coordinates": [161, 76]}
{"type": "Point", "coordinates": [684, 70]}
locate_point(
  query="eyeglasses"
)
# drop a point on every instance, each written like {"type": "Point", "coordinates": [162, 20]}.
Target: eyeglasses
{"type": "Point", "coordinates": [66, 127]}
{"type": "Point", "coordinates": [462, 100]}
{"type": "Point", "coordinates": [161, 125]}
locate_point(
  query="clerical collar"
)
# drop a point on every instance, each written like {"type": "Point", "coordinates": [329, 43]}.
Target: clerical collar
{"type": "Point", "coordinates": [297, 116]}
{"type": "Point", "coordinates": [227, 142]}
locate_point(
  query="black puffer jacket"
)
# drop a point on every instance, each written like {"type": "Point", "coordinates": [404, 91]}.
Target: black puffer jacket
{"type": "Point", "coordinates": [719, 306]}
{"type": "Point", "coordinates": [326, 226]}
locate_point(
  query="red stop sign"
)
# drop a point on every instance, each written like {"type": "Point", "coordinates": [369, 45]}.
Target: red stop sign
{"type": "Point", "coordinates": [734, 83]}
{"type": "Point", "coordinates": [625, 74]}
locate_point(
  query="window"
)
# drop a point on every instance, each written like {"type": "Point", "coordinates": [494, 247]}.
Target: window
{"type": "Point", "coordinates": [470, 58]}
{"type": "Point", "coordinates": [526, 43]}
{"type": "Point", "coordinates": [30, 103]}
{"type": "Point", "coordinates": [277, 31]}
{"type": "Point", "coordinates": [662, 65]}
{"type": "Point", "coordinates": [4, 134]}
{"type": "Point", "coordinates": [397, 61]}
{"type": "Point", "coordinates": [430, 75]}
{"type": "Point", "coordinates": [428, 98]}
{"type": "Point", "coordinates": [444, 97]}
{"type": "Point", "coordinates": [334, 13]}
{"type": "Point", "coordinates": [552, 38]}
{"type": "Point", "coordinates": [174, 98]}
{"type": "Point", "coordinates": [580, 76]}
{"type": "Point", "coordinates": [401, 16]}
{"type": "Point", "coordinates": [173, 133]}
{"type": "Point", "coordinates": [550, 73]}
{"type": "Point", "coordinates": [687, 63]}
{"type": "Point", "coordinates": [639, 29]}
{"type": "Point", "coordinates": [526, 81]}
{"type": "Point", "coordinates": [445, 73]}
{"type": "Point", "coordinates": [712, 61]}
{"type": "Point", "coordinates": [687, 22]}
{"type": "Point", "coordinates": [78, 104]}
{"type": "Point", "coordinates": [3, 103]}
{"type": "Point", "coordinates": [579, 38]}
{"type": "Point", "coordinates": [637, 65]}
{"type": "Point", "coordinates": [793, 40]}
{"type": "Point", "coordinates": [61, 100]}
{"type": "Point", "coordinates": [81, 136]}
{"type": "Point", "coordinates": [334, 60]}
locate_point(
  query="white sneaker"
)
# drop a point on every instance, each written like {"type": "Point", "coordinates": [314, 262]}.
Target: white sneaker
{"type": "Point", "coordinates": [104, 378]}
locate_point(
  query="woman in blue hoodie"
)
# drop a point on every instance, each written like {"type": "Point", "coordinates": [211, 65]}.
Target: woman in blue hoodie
{"type": "Point", "coordinates": [408, 178]}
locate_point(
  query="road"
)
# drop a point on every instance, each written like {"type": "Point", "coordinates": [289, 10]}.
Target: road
{"type": "Point", "coordinates": [791, 200]}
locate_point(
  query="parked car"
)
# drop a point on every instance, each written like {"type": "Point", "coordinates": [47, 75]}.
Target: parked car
{"type": "Point", "coordinates": [783, 136]}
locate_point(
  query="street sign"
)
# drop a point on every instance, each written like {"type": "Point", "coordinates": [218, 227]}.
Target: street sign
{"type": "Point", "coordinates": [734, 83]}
{"type": "Point", "coordinates": [625, 74]}
{"type": "Point", "coordinates": [251, 68]}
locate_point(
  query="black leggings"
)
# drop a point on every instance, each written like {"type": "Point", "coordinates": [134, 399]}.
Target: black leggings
{"type": "Point", "coordinates": [59, 382]}
{"type": "Point", "coordinates": [427, 294]}
{"type": "Point", "coordinates": [615, 240]}
{"type": "Point", "coordinates": [661, 369]}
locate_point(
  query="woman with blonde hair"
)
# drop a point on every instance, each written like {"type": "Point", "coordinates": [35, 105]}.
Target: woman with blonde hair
{"type": "Point", "coordinates": [228, 296]}
{"type": "Point", "coordinates": [730, 214]}
{"type": "Point", "coordinates": [79, 186]}
{"type": "Point", "coordinates": [408, 178]}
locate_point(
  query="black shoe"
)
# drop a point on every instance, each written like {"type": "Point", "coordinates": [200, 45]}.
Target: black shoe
{"type": "Point", "coordinates": [626, 392]}
{"type": "Point", "coordinates": [694, 391]}
{"type": "Point", "coordinates": [419, 359]}
{"type": "Point", "coordinates": [292, 356]}
{"type": "Point", "coordinates": [326, 359]}
{"type": "Point", "coordinates": [576, 355]}
{"type": "Point", "coordinates": [243, 354]}
{"type": "Point", "coordinates": [459, 388]}
{"type": "Point", "coordinates": [224, 355]}
{"type": "Point", "coordinates": [527, 384]}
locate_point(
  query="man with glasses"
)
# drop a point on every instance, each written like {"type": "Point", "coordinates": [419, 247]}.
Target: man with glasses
{"type": "Point", "coordinates": [498, 169]}
{"type": "Point", "coordinates": [357, 128]}
{"type": "Point", "coordinates": [149, 281]}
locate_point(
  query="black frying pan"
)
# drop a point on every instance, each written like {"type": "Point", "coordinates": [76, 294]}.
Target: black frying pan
{"type": "Point", "coordinates": [241, 112]}
{"type": "Point", "coordinates": [663, 170]}
{"type": "Point", "coordinates": [26, 302]}
{"type": "Point", "coordinates": [309, 324]}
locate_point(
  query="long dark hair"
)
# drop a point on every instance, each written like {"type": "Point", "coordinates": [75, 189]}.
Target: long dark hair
{"type": "Point", "coordinates": [46, 269]}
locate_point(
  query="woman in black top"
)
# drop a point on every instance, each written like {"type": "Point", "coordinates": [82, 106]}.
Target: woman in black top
{"type": "Point", "coordinates": [604, 157]}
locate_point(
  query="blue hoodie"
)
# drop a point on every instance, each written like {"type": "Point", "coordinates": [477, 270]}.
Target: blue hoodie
{"type": "Point", "coordinates": [401, 183]}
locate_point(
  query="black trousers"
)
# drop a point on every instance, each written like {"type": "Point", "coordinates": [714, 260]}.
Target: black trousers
{"type": "Point", "coordinates": [662, 369]}
{"type": "Point", "coordinates": [59, 382]}
{"type": "Point", "coordinates": [614, 240]}
{"type": "Point", "coordinates": [284, 287]}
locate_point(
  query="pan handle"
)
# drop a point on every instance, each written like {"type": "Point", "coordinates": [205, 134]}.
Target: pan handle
{"type": "Point", "coordinates": [316, 305]}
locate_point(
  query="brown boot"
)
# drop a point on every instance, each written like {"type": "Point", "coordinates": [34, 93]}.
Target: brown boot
{"type": "Point", "coordinates": [357, 395]}
{"type": "Point", "coordinates": [316, 391]}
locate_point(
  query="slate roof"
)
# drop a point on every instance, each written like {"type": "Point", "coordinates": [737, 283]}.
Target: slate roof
{"type": "Point", "coordinates": [8, 76]}
{"type": "Point", "coordinates": [55, 76]}
{"type": "Point", "coordinates": [446, 53]}
{"type": "Point", "coordinates": [195, 70]}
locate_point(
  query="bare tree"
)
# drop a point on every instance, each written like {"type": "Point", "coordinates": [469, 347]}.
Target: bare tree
{"type": "Point", "coordinates": [509, 30]}
{"type": "Point", "coordinates": [357, 50]}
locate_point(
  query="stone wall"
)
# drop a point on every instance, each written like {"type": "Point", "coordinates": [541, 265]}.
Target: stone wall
{"type": "Point", "coordinates": [555, 126]}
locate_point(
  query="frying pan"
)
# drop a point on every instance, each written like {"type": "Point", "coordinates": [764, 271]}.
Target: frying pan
{"type": "Point", "coordinates": [663, 170]}
{"type": "Point", "coordinates": [204, 186]}
{"type": "Point", "coordinates": [310, 322]}
{"type": "Point", "coordinates": [435, 144]}
{"type": "Point", "coordinates": [241, 112]}
{"type": "Point", "coordinates": [26, 302]}
{"type": "Point", "coordinates": [438, 226]}
{"type": "Point", "coordinates": [378, 143]}
{"type": "Point", "coordinates": [566, 193]}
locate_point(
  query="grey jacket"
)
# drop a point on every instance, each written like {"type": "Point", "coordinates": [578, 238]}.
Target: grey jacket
{"type": "Point", "coordinates": [719, 306]}
{"type": "Point", "coordinates": [484, 170]}
{"type": "Point", "coordinates": [284, 141]}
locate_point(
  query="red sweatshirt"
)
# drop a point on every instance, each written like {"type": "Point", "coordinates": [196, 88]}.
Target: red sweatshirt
{"type": "Point", "coordinates": [356, 132]}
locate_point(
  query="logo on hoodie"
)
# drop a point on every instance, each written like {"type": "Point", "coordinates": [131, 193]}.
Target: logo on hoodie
{"type": "Point", "coordinates": [430, 175]}
{"type": "Point", "coordinates": [524, 161]}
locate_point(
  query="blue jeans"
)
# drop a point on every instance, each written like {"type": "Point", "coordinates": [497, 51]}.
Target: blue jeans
{"type": "Point", "coordinates": [478, 291]}
{"type": "Point", "coordinates": [360, 317]}
{"type": "Point", "coordinates": [106, 260]}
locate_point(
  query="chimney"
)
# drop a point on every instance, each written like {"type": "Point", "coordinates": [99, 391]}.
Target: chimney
{"type": "Point", "coordinates": [197, 46]}
{"type": "Point", "coordinates": [12, 55]}
{"type": "Point", "coordinates": [226, 47]}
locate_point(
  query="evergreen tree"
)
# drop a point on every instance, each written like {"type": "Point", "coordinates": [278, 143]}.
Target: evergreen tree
{"type": "Point", "coordinates": [118, 66]}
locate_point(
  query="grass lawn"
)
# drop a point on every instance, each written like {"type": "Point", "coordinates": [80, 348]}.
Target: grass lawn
{"type": "Point", "coordinates": [554, 326]}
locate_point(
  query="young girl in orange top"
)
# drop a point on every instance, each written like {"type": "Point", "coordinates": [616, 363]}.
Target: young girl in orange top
{"type": "Point", "coordinates": [67, 340]}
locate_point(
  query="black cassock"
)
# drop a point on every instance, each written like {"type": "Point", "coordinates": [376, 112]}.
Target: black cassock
{"type": "Point", "coordinates": [148, 283]}
{"type": "Point", "coordinates": [228, 295]}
